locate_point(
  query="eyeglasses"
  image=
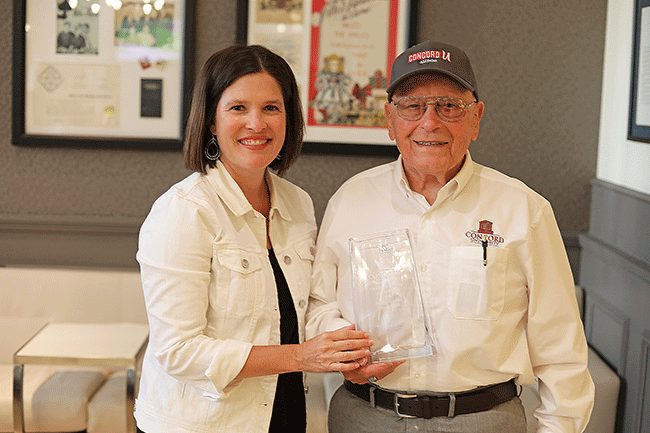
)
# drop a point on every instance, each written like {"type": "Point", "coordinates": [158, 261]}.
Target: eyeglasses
{"type": "Point", "coordinates": [449, 109]}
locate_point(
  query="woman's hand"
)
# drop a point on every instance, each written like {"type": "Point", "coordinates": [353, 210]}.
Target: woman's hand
{"type": "Point", "coordinates": [377, 371]}
{"type": "Point", "coordinates": [342, 350]}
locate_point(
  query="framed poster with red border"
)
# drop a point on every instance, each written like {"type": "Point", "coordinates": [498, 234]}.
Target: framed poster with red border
{"type": "Point", "coordinates": [341, 52]}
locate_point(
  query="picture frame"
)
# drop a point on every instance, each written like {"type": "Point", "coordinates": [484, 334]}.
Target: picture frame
{"type": "Point", "coordinates": [101, 74]}
{"type": "Point", "coordinates": [341, 53]}
{"type": "Point", "coordinates": [639, 115]}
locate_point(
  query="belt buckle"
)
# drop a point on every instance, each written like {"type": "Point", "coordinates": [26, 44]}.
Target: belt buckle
{"type": "Point", "coordinates": [397, 396]}
{"type": "Point", "coordinates": [452, 405]}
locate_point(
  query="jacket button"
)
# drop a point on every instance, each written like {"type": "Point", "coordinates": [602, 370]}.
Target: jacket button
{"type": "Point", "coordinates": [244, 263]}
{"type": "Point", "coordinates": [312, 250]}
{"type": "Point", "coordinates": [302, 303]}
{"type": "Point", "coordinates": [287, 260]}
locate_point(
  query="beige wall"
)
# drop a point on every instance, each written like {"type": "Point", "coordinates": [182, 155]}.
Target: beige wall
{"type": "Point", "coordinates": [539, 68]}
{"type": "Point", "coordinates": [620, 161]}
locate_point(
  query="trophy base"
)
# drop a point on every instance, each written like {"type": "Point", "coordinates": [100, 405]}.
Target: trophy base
{"type": "Point", "coordinates": [400, 353]}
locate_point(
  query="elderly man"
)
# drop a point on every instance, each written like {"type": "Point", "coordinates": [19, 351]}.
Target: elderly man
{"type": "Point", "coordinates": [494, 276]}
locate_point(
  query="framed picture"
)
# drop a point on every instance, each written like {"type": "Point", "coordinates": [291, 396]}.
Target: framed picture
{"type": "Point", "coordinates": [101, 74]}
{"type": "Point", "coordinates": [340, 52]}
{"type": "Point", "coordinates": [639, 117]}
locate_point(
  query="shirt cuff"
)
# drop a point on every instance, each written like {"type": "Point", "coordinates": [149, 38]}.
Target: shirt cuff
{"type": "Point", "coordinates": [335, 324]}
{"type": "Point", "coordinates": [227, 364]}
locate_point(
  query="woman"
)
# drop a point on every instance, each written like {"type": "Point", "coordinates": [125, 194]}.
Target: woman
{"type": "Point", "coordinates": [226, 258]}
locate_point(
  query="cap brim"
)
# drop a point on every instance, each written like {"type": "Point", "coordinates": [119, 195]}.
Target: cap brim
{"type": "Point", "coordinates": [455, 77]}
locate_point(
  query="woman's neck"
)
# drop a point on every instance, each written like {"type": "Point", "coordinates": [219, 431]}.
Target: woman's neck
{"type": "Point", "coordinates": [257, 191]}
{"type": "Point", "coordinates": [258, 194]}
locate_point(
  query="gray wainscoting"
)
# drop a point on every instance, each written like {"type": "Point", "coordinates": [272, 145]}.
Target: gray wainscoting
{"type": "Point", "coordinates": [67, 241]}
{"type": "Point", "coordinates": [103, 242]}
{"type": "Point", "coordinates": [615, 273]}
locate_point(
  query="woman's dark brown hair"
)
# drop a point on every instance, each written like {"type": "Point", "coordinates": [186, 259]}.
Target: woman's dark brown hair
{"type": "Point", "coordinates": [221, 70]}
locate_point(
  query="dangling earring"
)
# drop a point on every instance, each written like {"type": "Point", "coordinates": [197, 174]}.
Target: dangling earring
{"type": "Point", "coordinates": [212, 151]}
{"type": "Point", "coordinates": [279, 157]}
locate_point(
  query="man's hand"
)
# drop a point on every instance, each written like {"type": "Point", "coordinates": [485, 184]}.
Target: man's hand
{"type": "Point", "coordinates": [378, 371]}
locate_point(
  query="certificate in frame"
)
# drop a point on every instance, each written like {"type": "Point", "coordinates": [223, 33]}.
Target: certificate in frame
{"type": "Point", "coordinates": [109, 74]}
{"type": "Point", "coordinates": [639, 117]}
{"type": "Point", "coordinates": [341, 53]}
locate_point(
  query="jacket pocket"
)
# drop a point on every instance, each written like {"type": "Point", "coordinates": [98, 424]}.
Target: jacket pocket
{"type": "Point", "coordinates": [306, 250]}
{"type": "Point", "coordinates": [476, 291]}
{"type": "Point", "coordinates": [239, 282]}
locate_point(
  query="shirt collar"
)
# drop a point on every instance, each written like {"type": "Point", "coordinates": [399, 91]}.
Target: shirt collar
{"type": "Point", "coordinates": [233, 197]}
{"type": "Point", "coordinates": [462, 178]}
{"type": "Point", "coordinates": [453, 187]}
{"type": "Point", "coordinates": [278, 202]}
{"type": "Point", "coordinates": [400, 177]}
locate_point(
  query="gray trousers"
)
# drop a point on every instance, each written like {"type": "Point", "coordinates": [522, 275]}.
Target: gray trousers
{"type": "Point", "coordinates": [351, 414]}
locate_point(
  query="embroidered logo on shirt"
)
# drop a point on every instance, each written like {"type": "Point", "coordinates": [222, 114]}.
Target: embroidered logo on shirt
{"type": "Point", "coordinates": [484, 233]}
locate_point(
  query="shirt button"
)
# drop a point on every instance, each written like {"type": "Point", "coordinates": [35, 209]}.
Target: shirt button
{"type": "Point", "coordinates": [287, 260]}
{"type": "Point", "coordinates": [244, 263]}
{"type": "Point", "coordinates": [302, 303]}
{"type": "Point", "coordinates": [312, 250]}
{"type": "Point", "coordinates": [424, 268]}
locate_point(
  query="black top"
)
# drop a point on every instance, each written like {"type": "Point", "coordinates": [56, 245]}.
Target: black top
{"type": "Point", "coordinates": [289, 412]}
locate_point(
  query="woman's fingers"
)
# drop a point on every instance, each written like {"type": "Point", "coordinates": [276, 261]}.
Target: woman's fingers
{"type": "Point", "coordinates": [344, 346]}
{"type": "Point", "coordinates": [346, 333]}
{"type": "Point", "coordinates": [343, 349]}
{"type": "Point", "coordinates": [351, 355]}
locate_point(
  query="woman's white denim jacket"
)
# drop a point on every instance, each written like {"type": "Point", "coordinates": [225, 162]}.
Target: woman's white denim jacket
{"type": "Point", "coordinates": [210, 295]}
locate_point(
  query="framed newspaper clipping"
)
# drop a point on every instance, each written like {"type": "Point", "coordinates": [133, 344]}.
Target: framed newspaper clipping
{"type": "Point", "coordinates": [110, 73]}
{"type": "Point", "coordinates": [341, 52]}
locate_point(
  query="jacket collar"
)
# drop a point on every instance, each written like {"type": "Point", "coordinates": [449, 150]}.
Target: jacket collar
{"type": "Point", "coordinates": [233, 197]}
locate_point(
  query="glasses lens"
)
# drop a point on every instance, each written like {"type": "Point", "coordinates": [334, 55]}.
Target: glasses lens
{"type": "Point", "coordinates": [450, 108]}
{"type": "Point", "coordinates": [410, 109]}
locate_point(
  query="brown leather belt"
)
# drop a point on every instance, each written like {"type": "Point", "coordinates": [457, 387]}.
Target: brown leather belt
{"type": "Point", "coordinates": [427, 406]}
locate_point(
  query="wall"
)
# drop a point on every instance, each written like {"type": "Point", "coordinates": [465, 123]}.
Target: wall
{"type": "Point", "coordinates": [620, 161]}
{"type": "Point", "coordinates": [539, 72]}
{"type": "Point", "coordinates": [615, 262]}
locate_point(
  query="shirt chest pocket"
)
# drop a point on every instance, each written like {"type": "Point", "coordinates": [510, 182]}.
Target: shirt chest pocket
{"type": "Point", "coordinates": [239, 282]}
{"type": "Point", "coordinates": [476, 291]}
{"type": "Point", "coordinates": [298, 260]}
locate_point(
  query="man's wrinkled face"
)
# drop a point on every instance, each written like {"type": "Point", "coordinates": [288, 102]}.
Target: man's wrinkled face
{"type": "Point", "coordinates": [433, 145]}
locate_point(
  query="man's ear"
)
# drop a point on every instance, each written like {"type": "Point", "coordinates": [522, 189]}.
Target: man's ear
{"type": "Point", "coordinates": [477, 115]}
{"type": "Point", "coordinates": [387, 112]}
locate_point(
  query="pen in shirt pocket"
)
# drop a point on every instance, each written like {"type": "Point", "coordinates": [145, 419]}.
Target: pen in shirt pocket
{"type": "Point", "coordinates": [485, 230]}
{"type": "Point", "coordinates": [484, 244]}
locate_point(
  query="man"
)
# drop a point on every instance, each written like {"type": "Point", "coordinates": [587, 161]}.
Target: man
{"type": "Point", "coordinates": [495, 280]}
{"type": "Point", "coordinates": [65, 39]}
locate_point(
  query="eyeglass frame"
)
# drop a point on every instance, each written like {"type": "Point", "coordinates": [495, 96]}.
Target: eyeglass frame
{"type": "Point", "coordinates": [433, 100]}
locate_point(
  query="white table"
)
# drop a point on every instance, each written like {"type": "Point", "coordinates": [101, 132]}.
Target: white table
{"type": "Point", "coordinates": [118, 345]}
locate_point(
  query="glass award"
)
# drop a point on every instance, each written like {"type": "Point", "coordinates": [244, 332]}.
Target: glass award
{"type": "Point", "coordinates": [387, 299]}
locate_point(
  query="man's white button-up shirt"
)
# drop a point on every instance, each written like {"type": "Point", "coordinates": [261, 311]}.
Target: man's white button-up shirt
{"type": "Point", "coordinates": [516, 317]}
